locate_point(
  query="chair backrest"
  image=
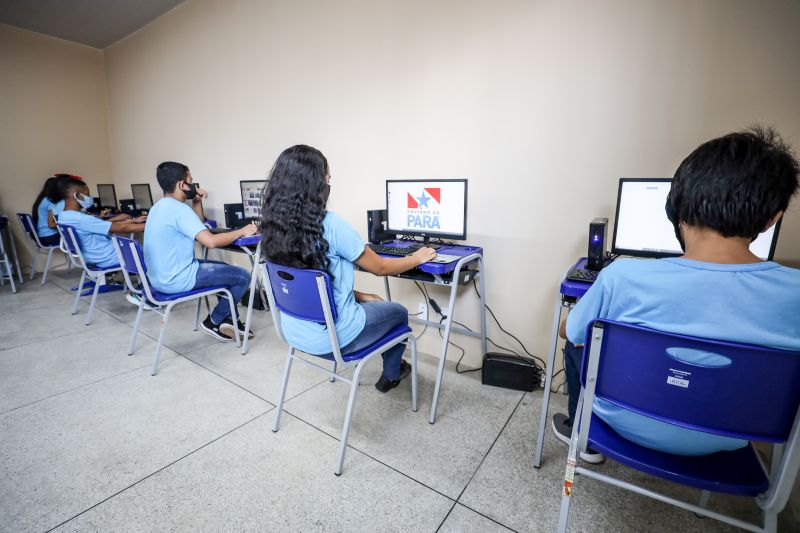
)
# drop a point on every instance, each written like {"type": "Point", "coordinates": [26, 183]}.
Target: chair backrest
{"type": "Point", "coordinates": [29, 228]}
{"type": "Point", "coordinates": [70, 239]}
{"type": "Point", "coordinates": [297, 294]}
{"type": "Point", "coordinates": [730, 389]}
{"type": "Point", "coordinates": [131, 259]}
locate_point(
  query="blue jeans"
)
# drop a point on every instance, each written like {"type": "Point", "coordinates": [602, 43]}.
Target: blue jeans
{"type": "Point", "coordinates": [212, 273]}
{"type": "Point", "coordinates": [573, 358]}
{"type": "Point", "coordinates": [381, 317]}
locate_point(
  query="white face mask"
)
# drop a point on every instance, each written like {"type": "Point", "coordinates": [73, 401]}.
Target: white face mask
{"type": "Point", "coordinates": [86, 202]}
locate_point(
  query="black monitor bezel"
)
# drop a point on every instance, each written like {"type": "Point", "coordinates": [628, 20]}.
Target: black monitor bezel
{"type": "Point", "coordinates": [434, 235]}
{"type": "Point", "coordinates": [241, 191]}
{"type": "Point", "coordinates": [149, 193]}
{"type": "Point", "coordinates": [659, 255]}
{"type": "Point", "coordinates": [113, 191]}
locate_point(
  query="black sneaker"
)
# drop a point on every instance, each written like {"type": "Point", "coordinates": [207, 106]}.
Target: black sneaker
{"type": "Point", "coordinates": [385, 384]}
{"type": "Point", "coordinates": [562, 429]}
{"type": "Point", "coordinates": [214, 330]}
{"type": "Point", "coordinates": [227, 328]}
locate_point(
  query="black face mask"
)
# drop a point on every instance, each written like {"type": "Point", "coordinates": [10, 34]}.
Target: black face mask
{"type": "Point", "coordinates": [192, 192]}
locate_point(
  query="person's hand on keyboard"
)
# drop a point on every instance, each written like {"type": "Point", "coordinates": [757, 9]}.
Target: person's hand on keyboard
{"type": "Point", "coordinates": [423, 255]}
{"type": "Point", "coordinates": [250, 229]}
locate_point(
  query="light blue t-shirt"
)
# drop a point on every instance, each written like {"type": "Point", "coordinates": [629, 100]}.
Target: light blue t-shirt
{"type": "Point", "coordinates": [42, 229]}
{"type": "Point", "coordinates": [754, 303]}
{"type": "Point", "coordinates": [93, 238]}
{"type": "Point", "coordinates": [345, 245]}
{"type": "Point", "coordinates": [169, 245]}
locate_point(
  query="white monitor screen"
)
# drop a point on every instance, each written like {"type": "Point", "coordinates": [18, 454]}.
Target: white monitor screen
{"type": "Point", "coordinates": [251, 198]}
{"type": "Point", "coordinates": [427, 207]}
{"type": "Point", "coordinates": [642, 226]}
{"type": "Point", "coordinates": [142, 199]}
{"type": "Point", "coordinates": [108, 195]}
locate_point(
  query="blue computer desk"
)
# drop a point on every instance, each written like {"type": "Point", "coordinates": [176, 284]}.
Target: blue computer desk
{"type": "Point", "coordinates": [569, 292]}
{"type": "Point", "coordinates": [454, 274]}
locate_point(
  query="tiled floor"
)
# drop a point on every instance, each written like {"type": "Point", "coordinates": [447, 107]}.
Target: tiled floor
{"type": "Point", "coordinates": [90, 441]}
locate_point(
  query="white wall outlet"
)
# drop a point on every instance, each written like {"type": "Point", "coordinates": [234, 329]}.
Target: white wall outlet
{"type": "Point", "coordinates": [423, 309]}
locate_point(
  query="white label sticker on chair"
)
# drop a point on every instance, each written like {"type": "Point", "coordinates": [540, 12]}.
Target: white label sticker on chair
{"type": "Point", "coordinates": [679, 378]}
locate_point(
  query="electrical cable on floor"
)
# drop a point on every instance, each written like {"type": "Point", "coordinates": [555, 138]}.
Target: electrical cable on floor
{"type": "Point", "coordinates": [463, 351]}
{"type": "Point", "coordinates": [424, 295]}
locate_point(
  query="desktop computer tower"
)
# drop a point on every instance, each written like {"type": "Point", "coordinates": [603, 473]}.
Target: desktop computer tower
{"type": "Point", "coordinates": [377, 219]}
{"type": "Point", "coordinates": [234, 216]}
{"type": "Point", "coordinates": [597, 244]}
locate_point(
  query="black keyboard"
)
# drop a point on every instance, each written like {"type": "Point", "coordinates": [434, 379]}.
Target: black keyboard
{"type": "Point", "coordinates": [583, 274]}
{"type": "Point", "coordinates": [391, 250]}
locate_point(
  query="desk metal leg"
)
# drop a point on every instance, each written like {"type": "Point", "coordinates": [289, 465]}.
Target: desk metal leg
{"type": "Point", "coordinates": [551, 362]}
{"type": "Point", "coordinates": [386, 286]}
{"type": "Point", "coordinates": [451, 308]}
{"type": "Point", "coordinates": [247, 323]}
{"type": "Point", "coordinates": [14, 253]}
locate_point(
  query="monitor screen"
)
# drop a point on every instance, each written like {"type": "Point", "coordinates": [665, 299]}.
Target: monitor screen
{"type": "Point", "coordinates": [434, 208]}
{"type": "Point", "coordinates": [107, 195]}
{"type": "Point", "coordinates": [142, 199]}
{"type": "Point", "coordinates": [251, 197]}
{"type": "Point", "coordinates": [641, 226]}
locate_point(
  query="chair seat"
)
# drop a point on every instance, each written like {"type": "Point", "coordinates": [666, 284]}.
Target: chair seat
{"type": "Point", "coordinates": [392, 334]}
{"type": "Point", "coordinates": [95, 268]}
{"type": "Point", "coordinates": [161, 297]}
{"type": "Point", "coordinates": [735, 472]}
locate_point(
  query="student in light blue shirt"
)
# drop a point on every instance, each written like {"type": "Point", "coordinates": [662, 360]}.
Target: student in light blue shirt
{"type": "Point", "coordinates": [46, 207]}
{"type": "Point", "coordinates": [300, 232]}
{"type": "Point", "coordinates": [172, 227]}
{"type": "Point", "coordinates": [723, 195]}
{"type": "Point", "coordinates": [93, 233]}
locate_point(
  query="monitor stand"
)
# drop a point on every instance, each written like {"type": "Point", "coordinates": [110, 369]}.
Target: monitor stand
{"type": "Point", "coordinates": [426, 243]}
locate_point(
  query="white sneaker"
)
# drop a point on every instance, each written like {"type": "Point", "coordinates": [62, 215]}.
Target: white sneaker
{"type": "Point", "coordinates": [562, 430]}
{"type": "Point", "coordinates": [134, 299]}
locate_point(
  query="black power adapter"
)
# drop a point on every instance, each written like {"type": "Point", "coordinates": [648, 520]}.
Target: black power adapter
{"type": "Point", "coordinates": [509, 372]}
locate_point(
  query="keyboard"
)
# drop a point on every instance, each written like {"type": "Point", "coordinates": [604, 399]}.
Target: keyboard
{"type": "Point", "coordinates": [401, 251]}
{"type": "Point", "coordinates": [583, 274]}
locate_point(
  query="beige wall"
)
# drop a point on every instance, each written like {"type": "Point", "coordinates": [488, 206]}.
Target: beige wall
{"type": "Point", "coordinates": [53, 114]}
{"type": "Point", "coordinates": [542, 105]}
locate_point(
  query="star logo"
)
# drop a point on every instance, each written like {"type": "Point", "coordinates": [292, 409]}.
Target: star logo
{"type": "Point", "coordinates": [423, 200]}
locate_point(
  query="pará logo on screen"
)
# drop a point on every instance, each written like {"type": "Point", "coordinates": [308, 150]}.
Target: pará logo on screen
{"type": "Point", "coordinates": [423, 210]}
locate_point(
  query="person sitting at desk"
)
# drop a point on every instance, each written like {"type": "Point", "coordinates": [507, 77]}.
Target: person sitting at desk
{"type": "Point", "coordinates": [47, 205]}
{"type": "Point", "coordinates": [92, 232]}
{"type": "Point", "coordinates": [169, 235]}
{"type": "Point", "coordinates": [299, 232]}
{"type": "Point", "coordinates": [723, 195]}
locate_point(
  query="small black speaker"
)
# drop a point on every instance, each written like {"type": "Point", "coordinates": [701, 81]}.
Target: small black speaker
{"type": "Point", "coordinates": [377, 220]}
{"type": "Point", "coordinates": [597, 244]}
{"type": "Point", "coordinates": [509, 372]}
{"type": "Point", "coordinates": [234, 215]}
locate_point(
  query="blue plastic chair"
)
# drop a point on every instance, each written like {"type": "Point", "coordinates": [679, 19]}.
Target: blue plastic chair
{"type": "Point", "coordinates": [29, 229]}
{"type": "Point", "coordinates": [306, 294]}
{"type": "Point", "coordinates": [741, 391]}
{"type": "Point", "coordinates": [90, 272]}
{"type": "Point", "coordinates": [131, 258]}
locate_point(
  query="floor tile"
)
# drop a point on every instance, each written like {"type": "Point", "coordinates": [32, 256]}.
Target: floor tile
{"type": "Point", "coordinates": [260, 371]}
{"type": "Point", "coordinates": [60, 456]}
{"type": "Point", "coordinates": [256, 480]}
{"type": "Point", "coordinates": [48, 367]}
{"type": "Point", "coordinates": [462, 520]}
{"type": "Point", "coordinates": [444, 455]}
{"type": "Point", "coordinates": [507, 488]}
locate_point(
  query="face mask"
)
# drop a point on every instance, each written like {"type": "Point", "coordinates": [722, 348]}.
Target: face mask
{"type": "Point", "coordinates": [191, 192]}
{"type": "Point", "coordinates": [86, 202]}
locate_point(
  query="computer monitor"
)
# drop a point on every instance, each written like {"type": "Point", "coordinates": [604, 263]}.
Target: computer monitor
{"type": "Point", "coordinates": [642, 229]}
{"type": "Point", "coordinates": [251, 198]}
{"type": "Point", "coordinates": [427, 208]}
{"type": "Point", "coordinates": [142, 199]}
{"type": "Point", "coordinates": [107, 195]}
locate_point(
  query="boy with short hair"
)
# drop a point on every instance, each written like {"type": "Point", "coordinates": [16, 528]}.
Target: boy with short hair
{"type": "Point", "coordinates": [169, 235]}
{"type": "Point", "coordinates": [92, 232]}
{"type": "Point", "coordinates": [723, 195]}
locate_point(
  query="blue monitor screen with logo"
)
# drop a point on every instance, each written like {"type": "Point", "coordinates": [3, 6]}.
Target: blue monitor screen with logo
{"type": "Point", "coordinates": [429, 208]}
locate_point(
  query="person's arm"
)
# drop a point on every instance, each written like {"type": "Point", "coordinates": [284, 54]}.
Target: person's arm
{"type": "Point", "coordinates": [390, 266]}
{"type": "Point", "coordinates": [126, 226]}
{"type": "Point", "coordinates": [197, 205]}
{"type": "Point", "coordinates": [362, 297]}
{"type": "Point", "coordinates": [51, 219]}
{"type": "Point", "coordinates": [217, 240]}
{"type": "Point", "coordinates": [119, 218]}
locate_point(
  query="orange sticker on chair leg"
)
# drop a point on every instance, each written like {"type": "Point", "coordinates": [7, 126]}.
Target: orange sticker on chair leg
{"type": "Point", "coordinates": [567, 489]}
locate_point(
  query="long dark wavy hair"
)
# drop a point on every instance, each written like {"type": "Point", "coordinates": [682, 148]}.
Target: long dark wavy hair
{"type": "Point", "coordinates": [50, 191]}
{"type": "Point", "coordinates": [293, 208]}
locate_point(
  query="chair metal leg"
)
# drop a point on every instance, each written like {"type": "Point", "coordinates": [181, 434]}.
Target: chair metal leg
{"type": "Point", "coordinates": [196, 315]}
{"type": "Point", "coordinates": [78, 294]}
{"type": "Point", "coordinates": [703, 500]}
{"type": "Point", "coordinates": [569, 473]}
{"type": "Point", "coordinates": [348, 418]}
{"type": "Point", "coordinates": [92, 302]}
{"type": "Point", "coordinates": [413, 343]}
{"type": "Point", "coordinates": [333, 378]}
{"type": "Point", "coordinates": [139, 313]}
{"type": "Point", "coordinates": [69, 261]}
{"type": "Point", "coordinates": [34, 263]}
{"type": "Point", "coordinates": [289, 358]}
{"type": "Point", "coordinates": [157, 358]}
{"type": "Point", "coordinates": [47, 264]}
{"type": "Point", "coordinates": [232, 304]}
{"type": "Point", "coordinates": [770, 521]}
